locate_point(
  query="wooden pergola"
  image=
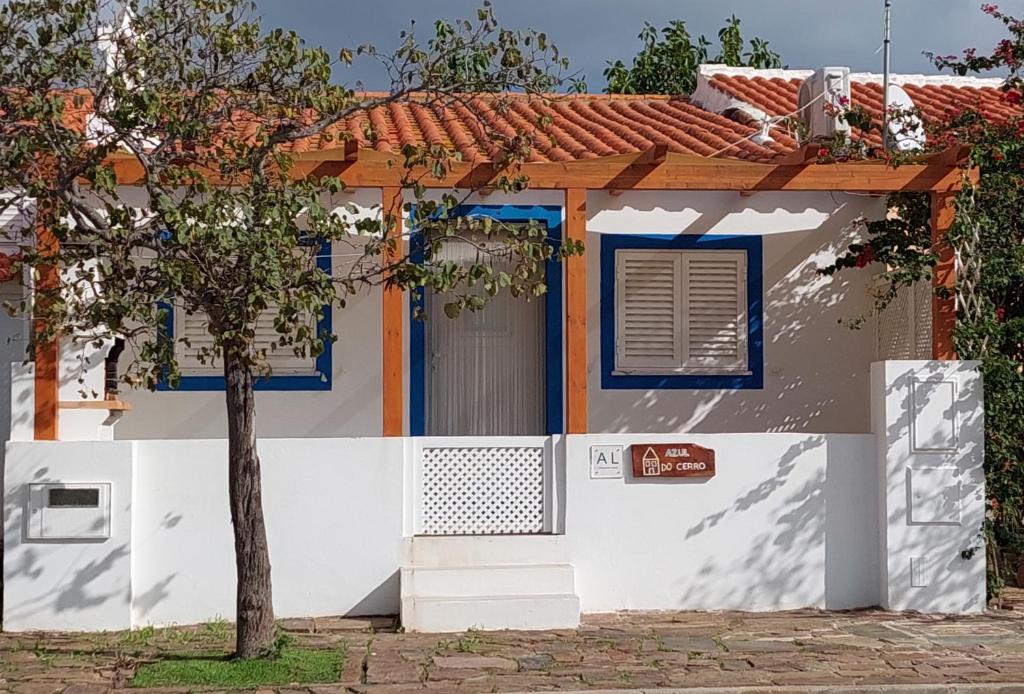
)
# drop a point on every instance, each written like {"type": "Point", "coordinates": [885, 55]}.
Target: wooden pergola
{"type": "Point", "coordinates": [941, 175]}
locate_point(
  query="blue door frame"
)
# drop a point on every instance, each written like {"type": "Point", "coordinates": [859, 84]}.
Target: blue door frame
{"type": "Point", "coordinates": [551, 216]}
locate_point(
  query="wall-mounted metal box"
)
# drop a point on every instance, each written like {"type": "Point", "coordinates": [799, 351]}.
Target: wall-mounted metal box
{"type": "Point", "coordinates": [68, 511]}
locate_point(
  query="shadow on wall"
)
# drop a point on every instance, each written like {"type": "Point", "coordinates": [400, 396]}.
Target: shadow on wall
{"type": "Point", "coordinates": [73, 587]}
{"type": "Point", "coordinates": [821, 549]}
{"type": "Point", "coordinates": [944, 543]}
{"type": "Point", "coordinates": [816, 370]}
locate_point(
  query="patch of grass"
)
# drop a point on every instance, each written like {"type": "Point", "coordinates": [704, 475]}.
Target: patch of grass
{"type": "Point", "coordinates": [139, 637]}
{"type": "Point", "coordinates": [218, 630]}
{"type": "Point", "coordinates": [470, 642]}
{"type": "Point", "coordinates": [292, 666]}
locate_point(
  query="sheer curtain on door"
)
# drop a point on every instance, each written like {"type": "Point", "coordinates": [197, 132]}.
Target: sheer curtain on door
{"type": "Point", "coordinates": [485, 369]}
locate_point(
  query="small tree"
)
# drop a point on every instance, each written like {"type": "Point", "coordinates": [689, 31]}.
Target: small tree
{"type": "Point", "coordinates": [669, 64]}
{"type": "Point", "coordinates": [206, 108]}
{"type": "Point", "coordinates": [988, 236]}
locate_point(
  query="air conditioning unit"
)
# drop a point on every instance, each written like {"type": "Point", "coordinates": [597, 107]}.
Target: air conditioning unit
{"type": "Point", "coordinates": [824, 96]}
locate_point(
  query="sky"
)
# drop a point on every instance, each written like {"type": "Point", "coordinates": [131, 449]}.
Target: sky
{"type": "Point", "coordinates": [807, 33]}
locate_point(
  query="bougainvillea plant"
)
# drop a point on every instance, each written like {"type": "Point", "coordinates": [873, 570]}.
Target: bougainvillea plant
{"type": "Point", "coordinates": [988, 233]}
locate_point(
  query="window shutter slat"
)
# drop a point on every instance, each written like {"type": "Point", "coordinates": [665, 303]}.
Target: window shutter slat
{"type": "Point", "coordinates": [15, 218]}
{"type": "Point", "coordinates": [282, 360]}
{"type": "Point", "coordinates": [716, 312]}
{"type": "Point", "coordinates": [649, 313]}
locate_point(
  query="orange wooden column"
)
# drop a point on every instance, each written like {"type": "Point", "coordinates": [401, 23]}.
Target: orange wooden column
{"type": "Point", "coordinates": [394, 316]}
{"type": "Point", "coordinates": [576, 314]}
{"type": "Point", "coordinates": [47, 354]}
{"type": "Point", "coordinates": [943, 276]}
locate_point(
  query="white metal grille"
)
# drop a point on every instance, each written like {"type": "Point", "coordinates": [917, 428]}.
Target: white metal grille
{"type": "Point", "coordinates": [903, 329]}
{"type": "Point", "coordinates": [482, 491]}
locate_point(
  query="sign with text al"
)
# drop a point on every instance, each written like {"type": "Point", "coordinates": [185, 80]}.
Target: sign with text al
{"type": "Point", "coordinates": [672, 460]}
{"type": "Point", "coordinates": [605, 462]}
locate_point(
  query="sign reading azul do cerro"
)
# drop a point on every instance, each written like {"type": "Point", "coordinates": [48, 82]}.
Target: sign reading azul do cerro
{"type": "Point", "coordinates": [672, 460]}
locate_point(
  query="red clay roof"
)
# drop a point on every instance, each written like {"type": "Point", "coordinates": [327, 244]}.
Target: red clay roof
{"type": "Point", "coordinates": [938, 99]}
{"type": "Point", "coordinates": [587, 126]}
{"type": "Point", "coordinates": [562, 128]}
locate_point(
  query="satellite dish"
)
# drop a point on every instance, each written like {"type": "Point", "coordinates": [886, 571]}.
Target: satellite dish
{"type": "Point", "coordinates": [906, 131]}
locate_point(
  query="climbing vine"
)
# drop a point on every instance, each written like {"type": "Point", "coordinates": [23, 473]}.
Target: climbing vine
{"type": "Point", "coordinates": [988, 237]}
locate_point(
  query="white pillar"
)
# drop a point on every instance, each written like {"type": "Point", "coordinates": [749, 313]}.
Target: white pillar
{"type": "Point", "coordinates": [928, 421]}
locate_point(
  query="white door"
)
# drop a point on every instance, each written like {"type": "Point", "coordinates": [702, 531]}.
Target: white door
{"type": "Point", "coordinates": [485, 369]}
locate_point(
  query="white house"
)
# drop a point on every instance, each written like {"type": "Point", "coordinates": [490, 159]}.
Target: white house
{"type": "Point", "coordinates": [498, 470]}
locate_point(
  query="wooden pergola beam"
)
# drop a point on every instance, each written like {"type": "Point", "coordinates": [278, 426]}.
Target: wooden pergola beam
{"type": "Point", "coordinates": [576, 315]}
{"type": "Point", "coordinates": [646, 170]}
{"type": "Point", "coordinates": [393, 319]}
{"type": "Point", "coordinates": [46, 353]}
{"type": "Point", "coordinates": [943, 277]}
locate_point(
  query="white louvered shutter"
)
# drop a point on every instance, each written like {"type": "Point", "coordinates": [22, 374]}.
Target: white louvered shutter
{"type": "Point", "coordinates": [648, 310]}
{"type": "Point", "coordinates": [681, 311]}
{"type": "Point", "coordinates": [716, 310]}
{"type": "Point", "coordinates": [282, 360]}
{"type": "Point", "coordinates": [15, 219]}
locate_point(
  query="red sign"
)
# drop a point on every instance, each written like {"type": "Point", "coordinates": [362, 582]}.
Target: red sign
{"type": "Point", "coordinates": [672, 460]}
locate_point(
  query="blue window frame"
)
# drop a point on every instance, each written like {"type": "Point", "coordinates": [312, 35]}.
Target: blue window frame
{"type": "Point", "coordinates": [321, 380]}
{"type": "Point", "coordinates": [551, 216]}
{"type": "Point", "coordinates": [755, 312]}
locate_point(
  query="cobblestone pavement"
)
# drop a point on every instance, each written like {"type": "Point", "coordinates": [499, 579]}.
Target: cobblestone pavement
{"type": "Point", "coordinates": [620, 651]}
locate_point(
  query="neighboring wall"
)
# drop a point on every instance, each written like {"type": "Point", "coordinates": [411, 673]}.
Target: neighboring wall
{"type": "Point", "coordinates": [815, 369]}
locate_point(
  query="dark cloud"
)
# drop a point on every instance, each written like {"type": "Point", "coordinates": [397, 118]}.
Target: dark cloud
{"type": "Point", "coordinates": [808, 33]}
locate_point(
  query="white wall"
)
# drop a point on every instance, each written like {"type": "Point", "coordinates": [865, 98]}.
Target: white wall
{"type": "Point", "coordinates": [67, 584]}
{"type": "Point", "coordinates": [333, 510]}
{"type": "Point", "coordinates": [815, 370]}
{"type": "Point", "coordinates": [928, 421]}
{"type": "Point", "coordinates": [788, 521]}
{"type": "Point", "coordinates": [815, 373]}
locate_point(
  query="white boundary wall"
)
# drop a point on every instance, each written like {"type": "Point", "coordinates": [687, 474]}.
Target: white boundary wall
{"type": "Point", "coordinates": [789, 520]}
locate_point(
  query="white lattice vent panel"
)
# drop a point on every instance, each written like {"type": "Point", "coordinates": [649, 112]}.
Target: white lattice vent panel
{"type": "Point", "coordinates": [923, 294]}
{"type": "Point", "coordinates": [903, 329]}
{"type": "Point", "coordinates": [481, 491]}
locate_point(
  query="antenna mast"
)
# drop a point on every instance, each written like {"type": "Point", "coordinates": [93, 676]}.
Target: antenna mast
{"type": "Point", "coordinates": [885, 73]}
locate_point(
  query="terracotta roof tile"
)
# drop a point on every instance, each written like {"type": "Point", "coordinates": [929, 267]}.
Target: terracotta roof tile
{"type": "Point", "coordinates": [778, 94]}
{"type": "Point", "coordinates": [586, 126]}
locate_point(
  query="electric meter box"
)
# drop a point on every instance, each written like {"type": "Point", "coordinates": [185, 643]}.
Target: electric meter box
{"type": "Point", "coordinates": [69, 511]}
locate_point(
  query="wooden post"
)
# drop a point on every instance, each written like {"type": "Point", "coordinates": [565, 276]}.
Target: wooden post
{"type": "Point", "coordinates": [47, 354]}
{"type": "Point", "coordinates": [394, 316]}
{"type": "Point", "coordinates": [943, 276]}
{"type": "Point", "coordinates": [576, 314]}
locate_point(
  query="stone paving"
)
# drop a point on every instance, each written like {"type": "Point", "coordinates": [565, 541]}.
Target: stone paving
{"type": "Point", "coordinates": [617, 651]}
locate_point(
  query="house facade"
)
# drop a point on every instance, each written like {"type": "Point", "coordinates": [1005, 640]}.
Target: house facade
{"type": "Point", "coordinates": [682, 421]}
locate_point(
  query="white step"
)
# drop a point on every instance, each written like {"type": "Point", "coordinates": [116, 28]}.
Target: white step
{"type": "Point", "coordinates": [476, 550]}
{"type": "Point", "coordinates": [480, 581]}
{"type": "Point", "coordinates": [490, 613]}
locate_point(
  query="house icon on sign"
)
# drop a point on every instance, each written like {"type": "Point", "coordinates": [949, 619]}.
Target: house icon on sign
{"type": "Point", "coordinates": [651, 463]}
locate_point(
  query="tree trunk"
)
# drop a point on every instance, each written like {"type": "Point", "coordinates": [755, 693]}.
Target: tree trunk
{"type": "Point", "coordinates": [253, 604]}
